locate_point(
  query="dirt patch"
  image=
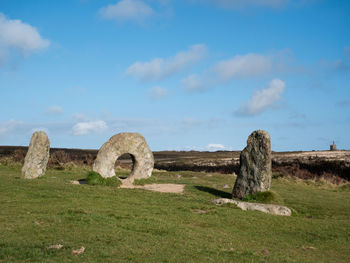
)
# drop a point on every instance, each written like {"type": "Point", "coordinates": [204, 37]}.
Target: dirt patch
{"type": "Point", "coordinates": [162, 188]}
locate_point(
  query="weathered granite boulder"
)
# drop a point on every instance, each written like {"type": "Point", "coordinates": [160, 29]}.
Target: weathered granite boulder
{"type": "Point", "coordinates": [37, 156]}
{"type": "Point", "coordinates": [119, 144]}
{"type": "Point", "coordinates": [265, 208]}
{"type": "Point", "coordinates": [255, 166]}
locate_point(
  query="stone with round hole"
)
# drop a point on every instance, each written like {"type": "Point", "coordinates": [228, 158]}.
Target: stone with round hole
{"type": "Point", "coordinates": [119, 144]}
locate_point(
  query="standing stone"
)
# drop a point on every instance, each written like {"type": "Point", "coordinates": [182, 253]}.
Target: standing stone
{"type": "Point", "coordinates": [119, 144]}
{"type": "Point", "coordinates": [255, 166]}
{"type": "Point", "coordinates": [37, 156]}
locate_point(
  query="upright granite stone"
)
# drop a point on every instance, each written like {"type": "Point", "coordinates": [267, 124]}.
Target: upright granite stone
{"type": "Point", "coordinates": [119, 144]}
{"type": "Point", "coordinates": [37, 156]}
{"type": "Point", "coordinates": [255, 166]}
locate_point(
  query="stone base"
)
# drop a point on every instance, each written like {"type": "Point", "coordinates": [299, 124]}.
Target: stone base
{"type": "Point", "coordinates": [265, 208]}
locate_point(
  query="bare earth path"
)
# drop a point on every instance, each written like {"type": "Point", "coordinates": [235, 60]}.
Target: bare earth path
{"type": "Point", "coordinates": [163, 188]}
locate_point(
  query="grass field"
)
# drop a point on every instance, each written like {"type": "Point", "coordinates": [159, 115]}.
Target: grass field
{"type": "Point", "coordinates": [134, 225]}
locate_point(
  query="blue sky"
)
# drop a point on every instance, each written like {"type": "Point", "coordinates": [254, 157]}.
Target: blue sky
{"type": "Point", "coordinates": [186, 74]}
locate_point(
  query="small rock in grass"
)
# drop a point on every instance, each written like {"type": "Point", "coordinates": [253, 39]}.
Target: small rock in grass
{"type": "Point", "coordinates": [265, 208]}
{"type": "Point", "coordinates": [226, 186]}
{"type": "Point", "coordinates": [57, 246]}
{"type": "Point", "coordinates": [265, 252]}
{"type": "Point", "coordinates": [209, 175]}
{"type": "Point", "coordinates": [178, 175]}
{"type": "Point", "coordinates": [308, 248]}
{"type": "Point", "coordinates": [78, 251]}
{"type": "Point", "coordinates": [200, 211]}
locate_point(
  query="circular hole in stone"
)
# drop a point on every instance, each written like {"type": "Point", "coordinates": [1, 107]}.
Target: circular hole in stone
{"type": "Point", "coordinates": [124, 165]}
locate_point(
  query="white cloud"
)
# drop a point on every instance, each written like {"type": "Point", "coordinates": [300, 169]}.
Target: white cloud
{"type": "Point", "coordinates": [242, 66]}
{"type": "Point", "coordinates": [238, 67]}
{"type": "Point", "coordinates": [132, 10]}
{"type": "Point", "coordinates": [83, 128]}
{"type": "Point", "coordinates": [263, 99]}
{"type": "Point", "coordinates": [160, 68]}
{"type": "Point", "coordinates": [18, 36]}
{"type": "Point", "coordinates": [46, 130]}
{"type": "Point", "coordinates": [54, 110]}
{"type": "Point", "coordinates": [215, 147]}
{"type": "Point", "coordinates": [159, 92]}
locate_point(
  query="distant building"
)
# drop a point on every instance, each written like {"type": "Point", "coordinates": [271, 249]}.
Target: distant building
{"type": "Point", "coordinates": [333, 147]}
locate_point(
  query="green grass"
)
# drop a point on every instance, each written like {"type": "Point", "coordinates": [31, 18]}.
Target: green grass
{"type": "Point", "coordinates": [149, 180]}
{"type": "Point", "coordinates": [135, 225]}
{"type": "Point", "coordinates": [94, 178]}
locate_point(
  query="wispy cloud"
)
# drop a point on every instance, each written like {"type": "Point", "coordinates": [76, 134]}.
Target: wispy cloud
{"type": "Point", "coordinates": [188, 121]}
{"type": "Point", "coordinates": [160, 68]}
{"type": "Point", "coordinates": [8, 126]}
{"type": "Point", "coordinates": [44, 129]}
{"type": "Point", "coordinates": [243, 66]}
{"type": "Point", "coordinates": [337, 65]}
{"type": "Point", "coordinates": [158, 92]}
{"type": "Point", "coordinates": [347, 52]}
{"type": "Point", "coordinates": [239, 67]}
{"type": "Point", "coordinates": [343, 103]}
{"type": "Point", "coordinates": [263, 99]}
{"type": "Point", "coordinates": [215, 147]}
{"type": "Point", "coordinates": [244, 3]}
{"type": "Point", "coordinates": [84, 128]}
{"type": "Point", "coordinates": [16, 36]}
{"type": "Point", "coordinates": [54, 110]}
{"type": "Point", "coordinates": [79, 116]}
{"type": "Point", "coordinates": [127, 10]}
{"type": "Point", "coordinates": [193, 83]}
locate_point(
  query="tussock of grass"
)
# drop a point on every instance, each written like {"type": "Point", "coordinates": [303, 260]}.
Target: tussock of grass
{"type": "Point", "coordinates": [149, 180]}
{"type": "Point", "coordinates": [277, 175]}
{"type": "Point", "coordinates": [94, 178]}
{"type": "Point", "coordinates": [262, 197]}
{"type": "Point", "coordinates": [345, 187]}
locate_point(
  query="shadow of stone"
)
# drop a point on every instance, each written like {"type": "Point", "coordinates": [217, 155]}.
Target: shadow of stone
{"type": "Point", "coordinates": [82, 181]}
{"type": "Point", "coordinates": [214, 191]}
{"type": "Point", "coordinates": [122, 177]}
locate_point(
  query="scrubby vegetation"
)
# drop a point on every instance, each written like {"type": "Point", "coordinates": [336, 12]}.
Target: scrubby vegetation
{"type": "Point", "coordinates": [134, 225]}
{"type": "Point", "coordinates": [267, 197]}
{"type": "Point", "coordinates": [296, 164]}
{"type": "Point", "coordinates": [94, 178]}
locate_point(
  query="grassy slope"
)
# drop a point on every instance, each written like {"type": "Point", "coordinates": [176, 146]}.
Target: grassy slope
{"type": "Point", "coordinates": [133, 225]}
